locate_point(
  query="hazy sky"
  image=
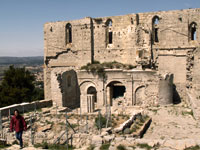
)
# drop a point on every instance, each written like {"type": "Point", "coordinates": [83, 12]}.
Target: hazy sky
{"type": "Point", "coordinates": [21, 21]}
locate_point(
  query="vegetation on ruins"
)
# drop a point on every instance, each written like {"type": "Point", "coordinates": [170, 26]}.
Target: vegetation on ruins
{"type": "Point", "coordinates": [197, 147]}
{"type": "Point", "coordinates": [105, 146]}
{"type": "Point", "coordinates": [19, 85]}
{"type": "Point", "coordinates": [95, 68]}
{"type": "Point", "coordinates": [100, 122]}
{"type": "Point", "coordinates": [98, 68]}
{"type": "Point", "coordinates": [91, 147]}
{"type": "Point", "coordinates": [45, 145]}
{"type": "Point", "coordinates": [121, 147]}
{"type": "Point", "coordinates": [2, 146]}
{"type": "Point", "coordinates": [144, 146]}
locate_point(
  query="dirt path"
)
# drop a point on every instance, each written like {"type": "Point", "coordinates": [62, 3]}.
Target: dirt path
{"type": "Point", "coordinates": [173, 122]}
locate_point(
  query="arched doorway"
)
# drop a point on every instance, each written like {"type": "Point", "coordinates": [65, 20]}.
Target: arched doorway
{"type": "Point", "coordinates": [114, 89]}
{"type": "Point", "coordinates": [91, 99]}
{"type": "Point", "coordinates": [139, 95]}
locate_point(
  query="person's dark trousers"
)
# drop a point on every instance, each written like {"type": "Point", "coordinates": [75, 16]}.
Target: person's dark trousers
{"type": "Point", "coordinates": [19, 137]}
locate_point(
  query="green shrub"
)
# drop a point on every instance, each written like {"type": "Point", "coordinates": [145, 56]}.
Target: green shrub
{"type": "Point", "coordinates": [99, 68]}
{"type": "Point", "coordinates": [133, 147]}
{"type": "Point", "coordinates": [74, 125]}
{"type": "Point", "coordinates": [121, 147]}
{"type": "Point", "coordinates": [105, 146]}
{"type": "Point", "coordinates": [91, 147]}
{"type": "Point", "coordinates": [42, 145]}
{"type": "Point", "coordinates": [197, 147]}
{"type": "Point", "coordinates": [4, 146]}
{"type": "Point", "coordinates": [102, 122]}
{"type": "Point", "coordinates": [144, 146]}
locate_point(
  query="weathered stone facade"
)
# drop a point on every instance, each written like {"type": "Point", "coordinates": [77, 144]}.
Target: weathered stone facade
{"type": "Point", "coordinates": [158, 42]}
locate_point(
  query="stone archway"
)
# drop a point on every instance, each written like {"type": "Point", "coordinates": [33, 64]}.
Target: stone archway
{"type": "Point", "coordinates": [92, 91]}
{"type": "Point", "coordinates": [139, 95]}
{"type": "Point", "coordinates": [91, 98]}
{"type": "Point", "coordinates": [88, 96]}
{"type": "Point", "coordinates": [114, 90]}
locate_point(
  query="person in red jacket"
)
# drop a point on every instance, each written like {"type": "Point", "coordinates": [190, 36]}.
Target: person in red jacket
{"type": "Point", "coordinates": [19, 125]}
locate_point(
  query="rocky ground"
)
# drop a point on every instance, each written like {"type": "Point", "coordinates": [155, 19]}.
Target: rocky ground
{"type": "Point", "coordinates": [172, 128]}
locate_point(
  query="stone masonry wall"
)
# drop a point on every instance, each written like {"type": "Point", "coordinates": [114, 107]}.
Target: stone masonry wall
{"type": "Point", "coordinates": [133, 42]}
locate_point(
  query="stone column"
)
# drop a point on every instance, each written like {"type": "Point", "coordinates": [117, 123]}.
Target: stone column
{"type": "Point", "coordinates": [166, 89]}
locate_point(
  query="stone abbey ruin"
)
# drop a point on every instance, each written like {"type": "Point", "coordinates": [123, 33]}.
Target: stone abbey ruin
{"type": "Point", "coordinates": [115, 83]}
{"type": "Point", "coordinates": [144, 59]}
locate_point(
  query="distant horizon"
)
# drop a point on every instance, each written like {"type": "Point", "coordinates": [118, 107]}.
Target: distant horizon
{"type": "Point", "coordinates": [21, 56]}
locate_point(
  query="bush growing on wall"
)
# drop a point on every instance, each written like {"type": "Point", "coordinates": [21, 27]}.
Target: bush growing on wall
{"type": "Point", "coordinates": [99, 68]}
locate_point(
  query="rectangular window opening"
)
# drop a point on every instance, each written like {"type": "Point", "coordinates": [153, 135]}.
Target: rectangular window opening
{"type": "Point", "coordinates": [70, 36]}
{"type": "Point", "coordinates": [156, 35]}
{"type": "Point", "coordinates": [110, 38]}
{"type": "Point", "coordinates": [193, 34]}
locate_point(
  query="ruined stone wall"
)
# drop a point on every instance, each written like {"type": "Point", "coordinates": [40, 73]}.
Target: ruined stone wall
{"type": "Point", "coordinates": [64, 87]}
{"type": "Point", "coordinates": [133, 42]}
{"type": "Point", "coordinates": [195, 73]}
{"type": "Point", "coordinates": [58, 53]}
{"type": "Point", "coordinates": [25, 107]}
{"type": "Point", "coordinates": [128, 38]}
{"type": "Point", "coordinates": [134, 82]}
{"type": "Point", "coordinates": [170, 53]}
{"type": "Point", "coordinates": [145, 88]}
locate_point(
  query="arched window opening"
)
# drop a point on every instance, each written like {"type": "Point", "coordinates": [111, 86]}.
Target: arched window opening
{"type": "Point", "coordinates": [109, 31]}
{"type": "Point", "coordinates": [109, 22]}
{"type": "Point", "coordinates": [155, 23]}
{"type": "Point", "coordinates": [68, 32]}
{"type": "Point", "coordinates": [110, 38]}
{"type": "Point", "coordinates": [92, 90]}
{"type": "Point", "coordinates": [156, 20]}
{"type": "Point", "coordinates": [69, 81]}
{"type": "Point", "coordinates": [193, 28]}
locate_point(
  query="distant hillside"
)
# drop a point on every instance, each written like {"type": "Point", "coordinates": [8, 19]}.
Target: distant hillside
{"type": "Point", "coordinates": [38, 60]}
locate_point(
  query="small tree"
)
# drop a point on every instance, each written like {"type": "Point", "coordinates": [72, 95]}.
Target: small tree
{"type": "Point", "coordinates": [17, 86]}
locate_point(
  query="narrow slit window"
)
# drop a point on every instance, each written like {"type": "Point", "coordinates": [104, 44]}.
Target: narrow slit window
{"type": "Point", "coordinates": [156, 34]}
{"type": "Point", "coordinates": [109, 31]}
{"type": "Point", "coordinates": [68, 33]}
{"type": "Point", "coordinates": [155, 28]}
{"type": "Point", "coordinates": [110, 37]}
{"type": "Point", "coordinates": [193, 31]}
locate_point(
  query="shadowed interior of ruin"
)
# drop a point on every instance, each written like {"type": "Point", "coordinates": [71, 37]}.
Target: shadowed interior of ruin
{"type": "Point", "coordinates": [118, 91]}
{"type": "Point", "coordinates": [176, 96]}
{"type": "Point", "coordinates": [115, 90]}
